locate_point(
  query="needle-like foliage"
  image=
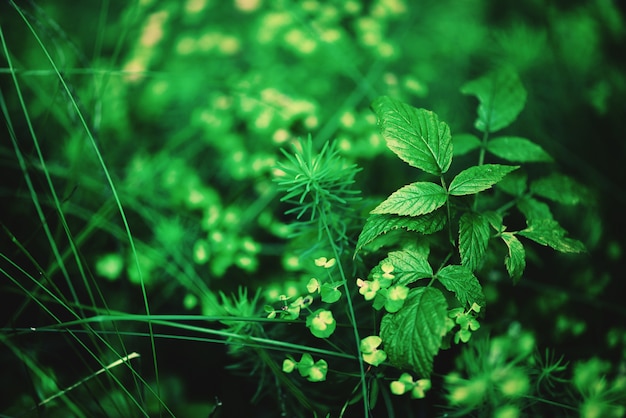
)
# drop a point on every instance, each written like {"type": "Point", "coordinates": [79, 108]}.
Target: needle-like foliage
{"type": "Point", "coordinates": [319, 187]}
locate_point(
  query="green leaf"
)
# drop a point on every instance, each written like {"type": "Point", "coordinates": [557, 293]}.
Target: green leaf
{"type": "Point", "coordinates": [395, 297]}
{"type": "Point", "coordinates": [533, 209]}
{"type": "Point", "coordinates": [514, 183]}
{"type": "Point", "coordinates": [305, 364]}
{"type": "Point", "coordinates": [317, 373]}
{"type": "Point", "coordinates": [517, 150]}
{"type": "Point", "coordinates": [321, 323]}
{"type": "Point", "coordinates": [313, 285]}
{"type": "Point", "coordinates": [464, 143]}
{"type": "Point", "coordinates": [548, 232]}
{"type": "Point", "coordinates": [473, 239]}
{"type": "Point", "coordinates": [495, 220]}
{"type": "Point", "coordinates": [416, 136]}
{"type": "Point", "coordinates": [370, 344]}
{"type": "Point", "coordinates": [413, 200]}
{"type": "Point", "coordinates": [330, 294]}
{"type": "Point", "coordinates": [380, 299]}
{"type": "Point", "coordinates": [515, 260]}
{"type": "Point", "coordinates": [461, 281]}
{"type": "Point", "coordinates": [478, 178]}
{"type": "Point", "coordinates": [375, 358]}
{"type": "Point", "coordinates": [409, 266]}
{"type": "Point", "coordinates": [289, 365]}
{"type": "Point", "coordinates": [377, 225]}
{"type": "Point", "coordinates": [560, 188]}
{"type": "Point", "coordinates": [314, 372]}
{"type": "Point", "coordinates": [412, 336]}
{"type": "Point", "coordinates": [502, 97]}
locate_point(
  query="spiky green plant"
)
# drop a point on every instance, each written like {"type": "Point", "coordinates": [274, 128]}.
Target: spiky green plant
{"type": "Point", "coordinates": [319, 186]}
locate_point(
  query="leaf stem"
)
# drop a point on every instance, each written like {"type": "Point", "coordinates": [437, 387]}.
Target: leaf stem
{"type": "Point", "coordinates": [483, 148]}
{"type": "Point", "coordinates": [481, 160]}
{"type": "Point", "coordinates": [445, 186]}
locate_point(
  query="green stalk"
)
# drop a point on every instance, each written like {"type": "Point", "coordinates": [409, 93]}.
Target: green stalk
{"type": "Point", "coordinates": [483, 147]}
{"type": "Point", "coordinates": [106, 173]}
{"type": "Point", "coordinates": [481, 160]}
{"type": "Point", "coordinates": [445, 187]}
{"type": "Point", "coordinates": [351, 314]}
{"type": "Point", "coordinates": [262, 342]}
{"type": "Point", "coordinates": [29, 183]}
{"type": "Point", "coordinates": [74, 335]}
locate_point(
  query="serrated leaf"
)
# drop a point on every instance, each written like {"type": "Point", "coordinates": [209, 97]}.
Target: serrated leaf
{"type": "Point", "coordinates": [464, 143]}
{"type": "Point", "coordinates": [412, 336]}
{"type": "Point", "coordinates": [473, 239]}
{"type": "Point", "coordinates": [478, 178]}
{"type": "Point", "coordinates": [413, 199]}
{"type": "Point", "coordinates": [515, 260]}
{"type": "Point", "coordinates": [560, 188]}
{"type": "Point", "coordinates": [461, 281]}
{"type": "Point", "coordinates": [409, 266]}
{"type": "Point", "coordinates": [517, 150]}
{"type": "Point", "coordinates": [502, 97]}
{"type": "Point", "coordinates": [533, 209]}
{"type": "Point", "coordinates": [514, 183]}
{"type": "Point", "coordinates": [495, 220]}
{"type": "Point", "coordinates": [548, 232]}
{"type": "Point", "coordinates": [416, 136]}
{"type": "Point", "coordinates": [377, 225]}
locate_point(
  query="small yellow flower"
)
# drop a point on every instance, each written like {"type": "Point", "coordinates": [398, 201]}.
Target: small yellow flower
{"type": "Point", "coordinates": [368, 289]}
{"type": "Point", "coordinates": [324, 262]}
{"type": "Point", "coordinates": [387, 268]}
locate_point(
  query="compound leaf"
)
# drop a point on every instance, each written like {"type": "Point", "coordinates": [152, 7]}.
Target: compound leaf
{"type": "Point", "coordinates": [515, 260]}
{"type": "Point", "coordinates": [473, 239]}
{"type": "Point", "coordinates": [377, 225]}
{"type": "Point", "coordinates": [560, 188]}
{"type": "Point", "coordinates": [517, 150]}
{"type": "Point", "coordinates": [409, 266]}
{"type": "Point", "coordinates": [478, 178]}
{"type": "Point", "coordinates": [413, 199]}
{"type": "Point", "coordinates": [548, 232]}
{"type": "Point", "coordinates": [416, 136]}
{"type": "Point", "coordinates": [412, 336]}
{"type": "Point", "coordinates": [461, 281]}
{"type": "Point", "coordinates": [502, 97]}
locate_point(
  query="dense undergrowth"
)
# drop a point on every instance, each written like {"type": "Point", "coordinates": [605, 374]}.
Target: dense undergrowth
{"type": "Point", "coordinates": [242, 208]}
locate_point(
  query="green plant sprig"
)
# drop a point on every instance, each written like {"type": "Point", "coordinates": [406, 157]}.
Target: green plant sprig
{"type": "Point", "coordinates": [319, 185]}
{"type": "Point", "coordinates": [414, 326]}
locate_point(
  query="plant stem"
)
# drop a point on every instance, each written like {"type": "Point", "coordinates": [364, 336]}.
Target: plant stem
{"type": "Point", "coordinates": [483, 148]}
{"type": "Point", "coordinates": [352, 316]}
{"type": "Point", "coordinates": [444, 185]}
{"type": "Point", "coordinates": [481, 160]}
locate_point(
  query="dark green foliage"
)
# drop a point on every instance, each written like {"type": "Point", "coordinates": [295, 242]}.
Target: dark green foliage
{"type": "Point", "coordinates": [413, 335]}
{"type": "Point", "coordinates": [181, 203]}
{"type": "Point", "coordinates": [420, 139]}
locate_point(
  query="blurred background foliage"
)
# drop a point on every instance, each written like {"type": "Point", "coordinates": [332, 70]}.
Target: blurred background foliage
{"type": "Point", "coordinates": [188, 104]}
